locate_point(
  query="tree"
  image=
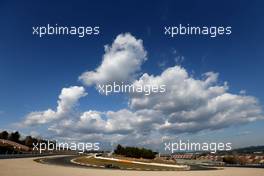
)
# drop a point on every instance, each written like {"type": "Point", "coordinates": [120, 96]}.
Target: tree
{"type": "Point", "coordinates": [134, 152]}
{"type": "Point", "coordinates": [29, 141]}
{"type": "Point", "coordinates": [230, 160]}
{"type": "Point", "coordinates": [4, 135]}
{"type": "Point", "coordinates": [14, 136]}
{"type": "Point", "coordinates": [119, 150]}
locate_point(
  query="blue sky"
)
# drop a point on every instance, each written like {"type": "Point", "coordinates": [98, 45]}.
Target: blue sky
{"type": "Point", "coordinates": [34, 70]}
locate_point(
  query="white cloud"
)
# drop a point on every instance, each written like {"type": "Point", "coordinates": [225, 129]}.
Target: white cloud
{"type": "Point", "coordinates": [120, 63]}
{"type": "Point", "coordinates": [99, 122]}
{"type": "Point", "coordinates": [121, 122]}
{"type": "Point", "coordinates": [67, 100]}
{"type": "Point", "coordinates": [192, 105]}
{"type": "Point", "coordinates": [243, 92]}
{"type": "Point", "coordinates": [34, 134]}
{"type": "Point", "coordinates": [189, 104]}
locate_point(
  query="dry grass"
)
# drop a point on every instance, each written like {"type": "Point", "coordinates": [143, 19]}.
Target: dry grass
{"type": "Point", "coordinates": [156, 160]}
{"type": "Point", "coordinates": [123, 165]}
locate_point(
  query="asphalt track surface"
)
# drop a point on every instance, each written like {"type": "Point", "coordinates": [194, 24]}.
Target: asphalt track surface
{"type": "Point", "coordinates": [60, 160]}
{"type": "Point", "coordinates": [28, 167]}
{"type": "Point", "coordinates": [66, 161]}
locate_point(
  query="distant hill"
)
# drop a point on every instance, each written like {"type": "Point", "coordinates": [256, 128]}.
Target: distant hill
{"type": "Point", "coordinates": [244, 150]}
{"type": "Point", "coordinates": [251, 149]}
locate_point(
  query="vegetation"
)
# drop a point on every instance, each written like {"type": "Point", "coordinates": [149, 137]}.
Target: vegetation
{"type": "Point", "coordinates": [234, 160]}
{"type": "Point", "coordinates": [122, 165]}
{"type": "Point", "coordinates": [4, 135]}
{"type": "Point", "coordinates": [244, 150]}
{"type": "Point", "coordinates": [250, 150]}
{"type": "Point", "coordinates": [134, 152]}
{"type": "Point", "coordinates": [16, 137]}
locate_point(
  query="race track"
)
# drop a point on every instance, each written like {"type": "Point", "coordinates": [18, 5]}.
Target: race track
{"type": "Point", "coordinates": [28, 167]}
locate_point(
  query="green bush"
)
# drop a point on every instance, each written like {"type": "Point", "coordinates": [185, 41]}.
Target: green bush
{"type": "Point", "coordinates": [134, 152]}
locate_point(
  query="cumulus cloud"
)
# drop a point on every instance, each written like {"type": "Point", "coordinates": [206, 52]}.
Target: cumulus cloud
{"type": "Point", "coordinates": [120, 63]}
{"type": "Point", "coordinates": [121, 122]}
{"type": "Point", "coordinates": [68, 98]}
{"type": "Point", "coordinates": [192, 105]}
{"type": "Point", "coordinates": [189, 104]}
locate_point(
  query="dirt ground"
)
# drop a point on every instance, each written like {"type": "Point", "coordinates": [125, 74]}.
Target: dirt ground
{"type": "Point", "coordinates": [28, 167]}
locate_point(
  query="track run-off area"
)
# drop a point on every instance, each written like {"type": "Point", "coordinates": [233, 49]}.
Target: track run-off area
{"type": "Point", "coordinates": [62, 166]}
